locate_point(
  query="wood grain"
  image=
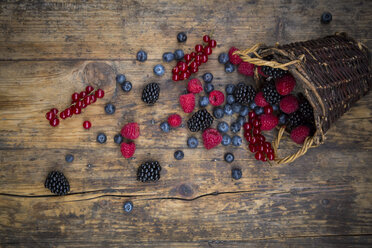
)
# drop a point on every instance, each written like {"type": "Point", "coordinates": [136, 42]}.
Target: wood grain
{"type": "Point", "coordinates": [48, 50]}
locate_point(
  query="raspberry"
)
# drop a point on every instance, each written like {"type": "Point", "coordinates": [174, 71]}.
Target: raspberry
{"type": "Point", "coordinates": [246, 68]}
{"type": "Point", "coordinates": [260, 99]}
{"type": "Point", "coordinates": [268, 121]}
{"type": "Point", "coordinates": [234, 59]}
{"type": "Point", "coordinates": [187, 102]}
{"type": "Point", "coordinates": [299, 134]}
{"type": "Point", "coordinates": [174, 120]}
{"type": "Point", "coordinates": [127, 149]}
{"type": "Point", "coordinates": [130, 130]}
{"type": "Point", "coordinates": [285, 84]}
{"type": "Point", "coordinates": [289, 104]}
{"type": "Point", "coordinates": [216, 98]}
{"type": "Point", "coordinates": [194, 86]}
{"type": "Point", "coordinates": [211, 138]}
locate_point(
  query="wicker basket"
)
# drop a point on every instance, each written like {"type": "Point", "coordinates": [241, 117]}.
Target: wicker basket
{"type": "Point", "coordinates": [333, 73]}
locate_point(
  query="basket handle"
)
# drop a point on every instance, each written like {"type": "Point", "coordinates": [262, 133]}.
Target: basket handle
{"type": "Point", "coordinates": [308, 143]}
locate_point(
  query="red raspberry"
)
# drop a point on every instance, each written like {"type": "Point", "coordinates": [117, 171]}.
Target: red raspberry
{"type": "Point", "coordinates": [260, 100]}
{"type": "Point", "coordinates": [299, 134]}
{"type": "Point", "coordinates": [234, 59]}
{"type": "Point", "coordinates": [130, 130]}
{"type": "Point", "coordinates": [246, 68]}
{"type": "Point", "coordinates": [216, 98]}
{"type": "Point", "coordinates": [268, 121]}
{"type": "Point", "coordinates": [211, 138]}
{"type": "Point", "coordinates": [174, 120]}
{"type": "Point", "coordinates": [194, 86]}
{"type": "Point", "coordinates": [285, 84]}
{"type": "Point", "coordinates": [187, 102]}
{"type": "Point", "coordinates": [289, 104]}
{"type": "Point", "coordinates": [127, 149]}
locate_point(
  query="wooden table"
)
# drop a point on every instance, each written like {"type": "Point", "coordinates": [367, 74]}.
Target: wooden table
{"type": "Point", "coordinates": [50, 49]}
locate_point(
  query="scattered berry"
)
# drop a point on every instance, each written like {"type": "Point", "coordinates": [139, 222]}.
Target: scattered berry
{"type": "Point", "coordinates": [229, 68]}
{"type": "Point", "coordinates": [110, 109]}
{"type": "Point", "coordinates": [235, 127]}
{"type": "Point", "coordinates": [101, 138]}
{"type": "Point", "coordinates": [244, 93]}
{"type": "Point", "coordinates": [285, 84]}
{"type": "Point", "coordinates": [159, 70]}
{"type": "Point", "coordinates": [260, 100]}
{"type": "Point", "coordinates": [236, 141]}
{"type": "Point", "coordinates": [246, 68]}
{"type": "Point", "coordinates": [216, 98]}
{"type": "Point", "coordinates": [226, 140]}
{"type": "Point", "coordinates": [168, 57]}
{"type": "Point", "coordinates": [165, 127]}
{"type": "Point", "coordinates": [326, 18]}
{"type": "Point", "coordinates": [203, 101]}
{"type": "Point", "coordinates": [87, 124]}
{"type": "Point", "coordinates": [218, 112]}
{"type": "Point", "coordinates": [229, 157]}
{"type": "Point", "coordinates": [120, 78]}
{"type": "Point", "coordinates": [289, 104]}
{"type": "Point", "coordinates": [211, 138]}
{"type": "Point", "coordinates": [194, 86]}
{"type": "Point", "coordinates": [126, 86]}
{"type": "Point", "coordinates": [228, 109]}
{"type": "Point", "coordinates": [207, 77]}
{"type": "Point", "coordinates": [208, 88]}
{"type": "Point", "coordinates": [128, 206]}
{"type": "Point", "coordinates": [174, 120]}
{"type": "Point", "coordinates": [178, 154]}
{"type": "Point", "coordinates": [118, 139]}
{"type": "Point", "coordinates": [57, 183]}
{"type": "Point", "coordinates": [268, 121]}
{"type": "Point", "coordinates": [141, 56]}
{"type": "Point", "coordinates": [127, 149]}
{"type": "Point", "coordinates": [223, 58]}
{"type": "Point", "coordinates": [150, 93]}
{"type": "Point", "coordinates": [200, 120]}
{"type": "Point", "coordinates": [187, 102]}
{"type": "Point", "coordinates": [69, 158]}
{"type": "Point", "coordinates": [192, 142]}
{"type": "Point", "coordinates": [179, 54]}
{"type": "Point", "coordinates": [130, 131]}
{"type": "Point", "coordinates": [222, 127]}
{"type": "Point", "coordinates": [236, 173]}
{"type": "Point", "coordinates": [149, 171]}
{"type": "Point", "coordinates": [234, 59]}
{"type": "Point", "coordinates": [181, 37]}
{"type": "Point", "coordinates": [299, 134]}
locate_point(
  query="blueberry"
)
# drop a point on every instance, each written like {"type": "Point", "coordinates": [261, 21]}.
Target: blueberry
{"type": "Point", "coordinates": [282, 119]}
{"type": "Point", "coordinates": [326, 18]}
{"type": "Point", "coordinates": [236, 141]}
{"type": "Point", "coordinates": [244, 111]}
{"type": "Point", "coordinates": [235, 127]}
{"type": "Point", "coordinates": [141, 56]}
{"type": "Point", "coordinates": [218, 112]}
{"type": "Point", "coordinates": [159, 70]}
{"type": "Point", "coordinates": [128, 206]}
{"type": "Point", "coordinates": [226, 140]}
{"type": "Point", "coordinates": [230, 99]}
{"type": "Point", "coordinates": [223, 58]}
{"type": "Point", "coordinates": [230, 88]}
{"type": "Point", "coordinates": [192, 142]}
{"type": "Point", "coordinates": [203, 101]}
{"type": "Point", "coordinates": [259, 110]}
{"type": "Point", "coordinates": [229, 157]}
{"type": "Point", "coordinates": [207, 77]}
{"type": "Point", "coordinates": [178, 155]}
{"type": "Point", "coordinates": [110, 108]}
{"type": "Point", "coordinates": [101, 138]}
{"type": "Point", "coordinates": [275, 107]}
{"type": "Point", "coordinates": [120, 78]}
{"type": "Point", "coordinates": [126, 86]}
{"type": "Point", "coordinates": [168, 57]}
{"type": "Point", "coordinates": [208, 88]}
{"type": "Point", "coordinates": [229, 68]}
{"type": "Point", "coordinates": [236, 173]}
{"type": "Point", "coordinates": [223, 127]}
{"type": "Point", "coordinates": [118, 139]}
{"type": "Point", "coordinates": [228, 109]}
{"type": "Point", "coordinates": [236, 107]}
{"type": "Point", "coordinates": [164, 126]}
{"type": "Point", "coordinates": [252, 105]}
{"type": "Point", "coordinates": [240, 120]}
{"type": "Point", "coordinates": [69, 158]}
{"type": "Point", "coordinates": [178, 54]}
{"type": "Point", "coordinates": [181, 37]}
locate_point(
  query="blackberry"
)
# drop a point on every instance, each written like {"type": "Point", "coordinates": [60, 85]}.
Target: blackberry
{"type": "Point", "coordinates": [200, 121]}
{"type": "Point", "coordinates": [149, 171]}
{"type": "Point", "coordinates": [57, 183]}
{"type": "Point", "coordinates": [273, 72]}
{"type": "Point", "coordinates": [244, 93]}
{"type": "Point", "coordinates": [294, 120]}
{"type": "Point", "coordinates": [306, 110]}
{"type": "Point", "coordinates": [270, 94]}
{"type": "Point", "coordinates": [150, 93]}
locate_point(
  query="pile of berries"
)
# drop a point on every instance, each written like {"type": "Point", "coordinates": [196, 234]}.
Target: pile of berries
{"type": "Point", "coordinates": [79, 101]}
{"type": "Point", "coordinates": [193, 60]}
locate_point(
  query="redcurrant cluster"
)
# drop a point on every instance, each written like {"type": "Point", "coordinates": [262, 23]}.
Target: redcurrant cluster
{"type": "Point", "coordinates": [193, 60]}
{"type": "Point", "coordinates": [79, 101]}
{"type": "Point", "coordinates": [257, 144]}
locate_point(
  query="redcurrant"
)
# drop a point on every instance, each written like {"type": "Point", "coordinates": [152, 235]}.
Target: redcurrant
{"type": "Point", "coordinates": [268, 109]}
{"type": "Point", "coordinates": [251, 115]}
{"type": "Point", "coordinates": [256, 122]}
{"type": "Point", "coordinates": [187, 58]}
{"type": "Point", "coordinates": [75, 97]}
{"type": "Point", "coordinates": [206, 38]}
{"type": "Point", "coordinates": [68, 112]}
{"type": "Point", "coordinates": [87, 124]}
{"type": "Point", "coordinates": [87, 100]}
{"type": "Point", "coordinates": [193, 64]}
{"type": "Point", "coordinates": [194, 69]}
{"type": "Point", "coordinates": [54, 111]}
{"type": "Point", "coordinates": [99, 93]}
{"type": "Point", "coordinates": [271, 156]}
{"type": "Point", "coordinates": [247, 126]}
{"type": "Point", "coordinates": [76, 110]}
{"type": "Point", "coordinates": [54, 122]}
{"type": "Point", "coordinates": [89, 89]}
{"type": "Point", "coordinates": [258, 155]}
{"type": "Point", "coordinates": [198, 48]}
{"type": "Point", "coordinates": [208, 50]}
{"type": "Point", "coordinates": [93, 99]}
{"type": "Point", "coordinates": [212, 43]}
{"type": "Point", "coordinates": [193, 54]}
{"type": "Point", "coordinates": [175, 77]}
{"type": "Point", "coordinates": [256, 131]}
{"type": "Point", "coordinates": [175, 70]}
{"type": "Point", "coordinates": [182, 66]}
{"type": "Point", "coordinates": [204, 58]}
{"type": "Point", "coordinates": [253, 140]}
{"type": "Point", "coordinates": [82, 94]}
{"type": "Point", "coordinates": [83, 104]}
{"type": "Point", "coordinates": [252, 148]}
{"type": "Point", "coordinates": [49, 116]}
{"type": "Point", "coordinates": [62, 115]}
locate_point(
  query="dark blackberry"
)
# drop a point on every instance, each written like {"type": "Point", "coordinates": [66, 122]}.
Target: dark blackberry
{"type": "Point", "coordinates": [57, 183]}
{"type": "Point", "coordinates": [294, 120]}
{"type": "Point", "coordinates": [244, 93]}
{"type": "Point", "coordinates": [149, 171]}
{"type": "Point", "coordinates": [201, 120]}
{"type": "Point", "coordinates": [306, 110]}
{"type": "Point", "coordinates": [270, 94]}
{"type": "Point", "coordinates": [150, 93]}
{"type": "Point", "coordinates": [273, 72]}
